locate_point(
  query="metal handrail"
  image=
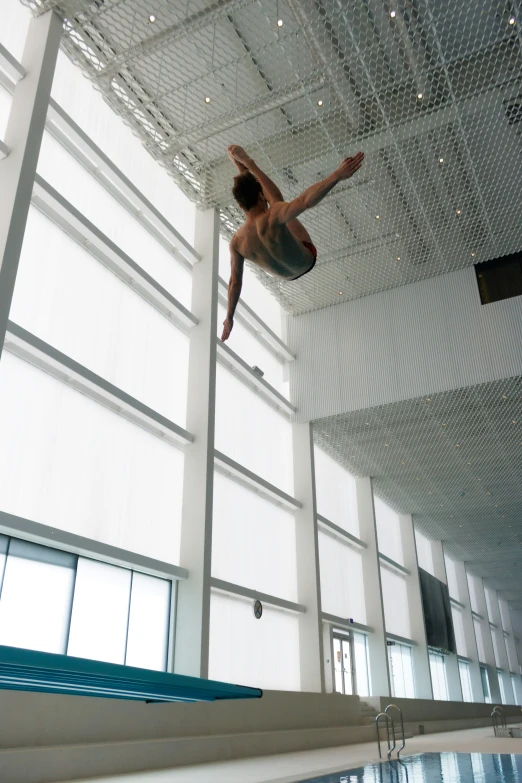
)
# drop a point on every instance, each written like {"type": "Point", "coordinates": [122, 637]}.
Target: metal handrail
{"type": "Point", "coordinates": [395, 707]}
{"type": "Point", "coordinates": [498, 713]}
{"type": "Point", "coordinates": [389, 721]}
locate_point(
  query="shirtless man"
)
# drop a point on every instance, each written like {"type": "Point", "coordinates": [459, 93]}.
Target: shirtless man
{"type": "Point", "coordinates": [271, 236]}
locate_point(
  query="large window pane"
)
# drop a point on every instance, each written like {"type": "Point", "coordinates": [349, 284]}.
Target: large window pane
{"type": "Point", "coordinates": [388, 531]}
{"type": "Point", "coordinates": [78, 96]}
{"type": "Point", "coordinates": [438, 677]}
{"type": "Point", "coordinates": [480, 641]}
{"type": "Point", "coordinates": [335, 489]}
{"type": "Point", "coordinates": [458, 626]}
{"type": "Point", "coordinates": [252, 433]}
{"type": "Point", "coordinates": [401, 668]}
{"type": "Point", "coordinates": [424, 553]}
{"type": "Point", "coordinates": [342, 591]}
{"type": "Point", "coordinates": [5, 108]}
{"type": "Point", "coordinates": [100, 612]}
{"type": "Point", "coordinates": [253, 541]}
{"type": "Point", "coordinates": [262, 653]}
{"type": "Point", "coordinates": [14, 21]}
{"type": "Point", "coordinates": [4, 543]}
{"type": "Point", "coordinates": [465, 681]}
{"type": "Point", "coordinates": [36, 597]}
{"type": "Point", "coordinates": [69, 299]}
{"type": "Point", "coordinates": [89, 196]}
{"type": "Point", "coordinates": [362, 665]}
{"type": "Point", "coordinates": [149, 618]}
{"type": "Point", "coordinates": [89, 470]}
{"type": "Point", "coordinates": [473, 592]}
{"type": "Point", "coordinates": [451, 573]}
{"type": "Point", "coordinates": [395, 599]}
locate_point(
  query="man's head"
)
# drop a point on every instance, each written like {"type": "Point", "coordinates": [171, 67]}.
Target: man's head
{"type": "Point", "coordinates": [247, 190]}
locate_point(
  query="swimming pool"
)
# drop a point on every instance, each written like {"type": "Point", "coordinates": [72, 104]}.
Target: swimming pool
{"type": "Point", "coordinates": [435, 768]}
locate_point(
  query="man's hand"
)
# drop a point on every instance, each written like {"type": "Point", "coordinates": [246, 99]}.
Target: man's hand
{"type": "Point", "coordinates": [238, 156]}
{"type": "Point", "coordinates": [349, 166]}
{"type": "Point", "coordinates": [228, 323]}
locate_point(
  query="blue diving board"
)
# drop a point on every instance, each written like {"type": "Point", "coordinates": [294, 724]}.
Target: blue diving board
{"type": "Point", "coordinates": [31, 670]}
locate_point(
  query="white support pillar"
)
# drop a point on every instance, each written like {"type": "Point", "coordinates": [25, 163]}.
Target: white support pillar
{"type": "Point", "coordinates": [419, 654]}
{"type": "Point", "coordinates": [451, 662]}
{"type": "Point", "coordinates": [511, 647]}
{"type": "Point", "coordinates": [487, 640]}
{"type": "Point", "coordinates": [308, 575]}
{"type": "Point", "coordinates": [193, 606]}
{"type": "Point", "coordinates": [377, 652]}
{"type": "Point", "coordinates": [469, 632]}
{"type": "Point", "coordinates": [23, 137]}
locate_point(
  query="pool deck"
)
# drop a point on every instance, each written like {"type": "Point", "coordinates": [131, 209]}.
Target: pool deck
{"type": "Point", "coordinates": [291, 767]}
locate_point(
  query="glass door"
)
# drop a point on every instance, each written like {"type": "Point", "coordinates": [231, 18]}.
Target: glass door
{"type": "Point", "coordinates": [344, 664]}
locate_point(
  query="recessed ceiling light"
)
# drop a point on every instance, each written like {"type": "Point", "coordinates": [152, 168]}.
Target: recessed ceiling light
{"type": "Point", "coordinates": [377, 217]}
{"type": "Point", "coordinates": [207, 99]}
{"type": "Point", "coordinates": [443, 424]}
{"type": "Point", "coordinates": [514, 421]}
{"type": "Point", "coordinates": [393, 14]}
{"type": "Point", "coordinates": [386, 444]}
{"type": "Point", "coordinates": [441, 161]}
{"type": "Point", "coordinates": [512, 20]}
{"type": "Point", "coordinates": [457, 445]}
{"type": "Point", "coordinates": [319, 102]}
{"type": "Point", "coordinates": [398, 258]}
{"type": "Point", "coordinates": [280, 22]}
{"type": "Point", "coordinates": [340, 293]}
{"type": "Point", "coordinates": [419, 96]}
{"type": "Point", "coordinates": [473, 255]}
{"type": "Point", "coordinates": [504, 396]}
{"type": "Point", "coordinates": [459, 212]}
{"type": "Point", "coordinates": [152, 18]}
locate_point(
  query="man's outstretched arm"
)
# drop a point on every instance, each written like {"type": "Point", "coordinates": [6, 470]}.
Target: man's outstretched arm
{"type": "Point", "coordinates": [283, 212]}
{"type": "Point", "coordinates": [244, 162]}
{"type": "Point", "coordinates": [237, 263]}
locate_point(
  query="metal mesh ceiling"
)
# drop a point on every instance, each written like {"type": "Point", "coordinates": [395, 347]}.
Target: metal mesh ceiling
{"type": "Point", "coordinates": [453, 460]}
{"type": "Point", "coordinates": [430, 90]}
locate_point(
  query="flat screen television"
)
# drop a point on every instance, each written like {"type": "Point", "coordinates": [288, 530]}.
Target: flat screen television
{"type": "Point", "coordinates": [437, 613]}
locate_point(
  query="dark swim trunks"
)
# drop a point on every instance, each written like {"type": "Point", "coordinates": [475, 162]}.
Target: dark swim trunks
{"type": "Point", "coordinates": [313, 250]}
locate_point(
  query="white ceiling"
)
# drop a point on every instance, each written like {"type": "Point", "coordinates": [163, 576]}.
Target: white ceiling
{"type": "Point", "coordinates": [368, 69]}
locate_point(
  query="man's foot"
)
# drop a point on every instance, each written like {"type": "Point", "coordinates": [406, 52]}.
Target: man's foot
{"type": "Point", "coordinates": [236, 155]}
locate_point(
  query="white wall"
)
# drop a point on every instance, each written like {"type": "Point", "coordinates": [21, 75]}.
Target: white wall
{"type": "Point", "coordinates": [426, 337]}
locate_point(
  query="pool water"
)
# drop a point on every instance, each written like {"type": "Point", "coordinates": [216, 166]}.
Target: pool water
{"type": "Point", "coordinates": [435, 768]}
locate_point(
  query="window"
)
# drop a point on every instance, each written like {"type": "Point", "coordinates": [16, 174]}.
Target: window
{"type": "Point", "coordinates": [438, 676]}
{"type": "Point", "coordinates": [451, 574]}
{"type": "Point", "coordinates": [458, 627]}
{"type": "Point", "coordinates": [401, 670]}
{"type": "Point", "coordinates": [342, 589]}
{"type": "Point", "coordinates": [388, 531]}
{"type": "Point", "coordinates": [515, 681]}
{"type": "Point", "coordinates": [362, 664]}
{"type": "Point", "coordinates": [503, 691]}
{"type": "Point", "coordinates": [335, 489]}
{"type": "Point", "coordinates": [485, 684]}
{"type": "Point", "coordinates": [61, 603]}
{"type": "Point", "coordinates": [91, 471]}
{"type": "Point", "coordinates": [395, 600]}
{"type": "Point", "coordinates": [424, 553]}
{"type": "Point", "coordinates": [343, 665]}
{"type": "Point", "coordinates": [480, 641]}
{"type": "Point", "coordinates": [495, 646]}
{"type": "Point", "coordinates": [262, 653]}
{"type": "Point", "coordinates": [465, 681]}
{"type": "Point", "coordinates": [473, 593]}
{"type": "Point", "coordinates": [500, 278]}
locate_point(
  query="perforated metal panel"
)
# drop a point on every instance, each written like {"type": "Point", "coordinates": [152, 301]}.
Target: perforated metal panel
{"type": "Point", "coordinates": [453, 460]}
{"type": "Point", "coordinates": [430, 90]}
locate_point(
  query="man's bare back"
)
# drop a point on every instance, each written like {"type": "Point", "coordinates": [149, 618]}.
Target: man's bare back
{"type": "Point", "coordinates": [271, 236]}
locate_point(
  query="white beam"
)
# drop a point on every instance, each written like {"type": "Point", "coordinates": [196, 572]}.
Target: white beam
{"type": "Point", "coordinates": [419, 653]}
{"type": "Point", "coordinates": [311, 653]}
{"type": "Point", "coordinates": [10, 69]}
{"type": "Point", "coordinates": [221, 586]}
{"type": "Point", "coordinates": [229, 359]}
{"type": "Point", "coordinates": [377, 650]}
{"type": "Point", "coordinates": [346, 622]}
{"type": "Point", "coordinates": [392, 565]}
{"type": "Point", "coordinates": [79, 228]}
{"type": "Point", "coordinates": [228, 467]}
{"type": "Point", "coordinates": [191, 654]}
{"type": "Point", "coordinates": [28, 530]}
{"type": "Point", "coordinates": [23, 137]}
{"type": "Point", "coordinates": [331, 529]}
{"type": "Point", "coordinates": [39, 353]}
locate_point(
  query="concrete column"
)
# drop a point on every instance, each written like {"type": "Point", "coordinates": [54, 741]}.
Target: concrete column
{"type": "Point", "coordinates": [377, 652]}
{"type": "Point", "coordinates": [469, 632]}
{"type": "Point", "coordinates": [329, 676]}
{"type": "Point", "coordinates": [23, 138]}
{"type": "Point", "coordinates": [489, 654]}
{"type": "Point", "coordinates": [450, 661]}
{"type": "Point", "coordinates": [419, 654]}
{"type": "Point", "coordinates": [193, 607]}
{"type": "Point", "coordinates": [308, 575]}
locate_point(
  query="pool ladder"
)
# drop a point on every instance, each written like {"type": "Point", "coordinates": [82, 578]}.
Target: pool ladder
{"type": "Point", "coordinates": [389, 723]}
{"type": "Point", "coordinates": [497, 716]}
